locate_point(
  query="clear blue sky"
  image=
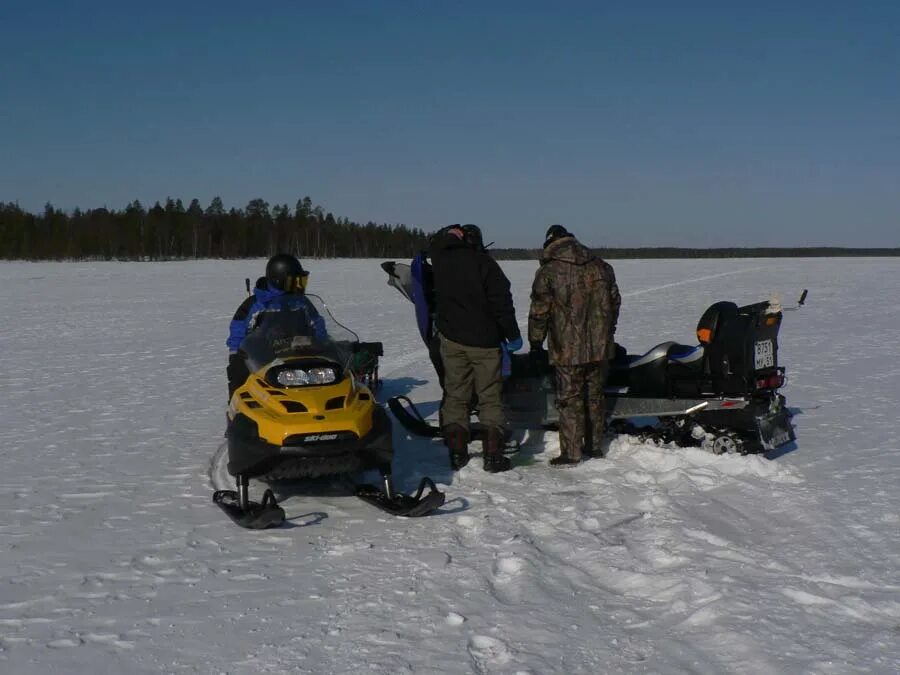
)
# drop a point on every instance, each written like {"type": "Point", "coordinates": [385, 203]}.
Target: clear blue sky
{"type": "Point", "coordinates": [655, 123]}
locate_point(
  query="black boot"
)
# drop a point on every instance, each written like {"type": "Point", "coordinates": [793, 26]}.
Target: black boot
{"type": "Point", "coordinates": [457, 440]}
{"type": "Point", "coordinates": [494, 459]}
{"type": "Point", "coordinates": [564, 460]}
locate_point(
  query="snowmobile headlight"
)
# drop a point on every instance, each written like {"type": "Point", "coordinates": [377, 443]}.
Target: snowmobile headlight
{"type": "Point", "coordinates": [321, 375]}
{"type": "Point", "coordinates": [300, 377]}
{"type": "Point", "coordinates": [292, 377]}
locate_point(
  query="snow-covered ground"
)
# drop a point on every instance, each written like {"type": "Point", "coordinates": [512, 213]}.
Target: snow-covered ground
{"type": "Point", "coordinates": [655, 560]}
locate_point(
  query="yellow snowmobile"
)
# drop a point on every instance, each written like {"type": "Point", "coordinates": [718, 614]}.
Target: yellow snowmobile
{"type": "Point", "coordinates": [307, 409]}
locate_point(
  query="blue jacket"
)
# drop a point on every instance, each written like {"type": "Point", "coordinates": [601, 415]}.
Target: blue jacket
{"type": "Point", "coordinates": [264, 297]}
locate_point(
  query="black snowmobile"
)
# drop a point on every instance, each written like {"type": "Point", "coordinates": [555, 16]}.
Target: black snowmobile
{"type": "Point", "coordinates": [721, 393]}
{"type": "Point", "coordinates": [308, 409]}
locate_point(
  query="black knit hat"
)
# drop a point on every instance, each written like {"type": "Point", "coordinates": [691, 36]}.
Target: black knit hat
{"type": "Point", "coordinates": [473, 237]}
{"type": "Point", "coordinates": [555, 232]}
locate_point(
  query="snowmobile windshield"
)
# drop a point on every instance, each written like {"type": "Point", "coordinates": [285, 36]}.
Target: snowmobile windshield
{"type": "Point", "coordinates": [295, 326]}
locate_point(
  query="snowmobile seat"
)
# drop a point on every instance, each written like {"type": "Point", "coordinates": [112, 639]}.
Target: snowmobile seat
{"type": "Point", "coordinates": [713, 321]}
{"type": "Point", "coordinates": [684, 355]}
{"type": "Point", "coordinates": [689, 364]}
{"type": "Point", "coordinates": [641, 373]}
{"type": "Point", "coordinates": [649, 373]}
{"type": "Point", "coordinates": [655, 354]}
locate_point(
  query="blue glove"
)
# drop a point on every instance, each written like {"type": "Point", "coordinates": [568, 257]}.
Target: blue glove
{"type": "Point", "coordinates": [513, 345]}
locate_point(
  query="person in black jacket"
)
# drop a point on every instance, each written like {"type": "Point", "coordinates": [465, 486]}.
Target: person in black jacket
{"type": "Point", "coordinates": [475, 316]}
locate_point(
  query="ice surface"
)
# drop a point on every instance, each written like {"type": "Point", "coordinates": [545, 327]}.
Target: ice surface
{"type": "Point", "coordinates": [654, 560]}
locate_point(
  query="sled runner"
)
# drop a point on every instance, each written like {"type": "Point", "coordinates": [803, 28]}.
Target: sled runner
{"type": "Point", "coordinates": [412, 420]}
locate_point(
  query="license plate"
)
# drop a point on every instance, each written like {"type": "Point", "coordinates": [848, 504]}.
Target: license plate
{"type": "Point", "coordinates": [763, 354]}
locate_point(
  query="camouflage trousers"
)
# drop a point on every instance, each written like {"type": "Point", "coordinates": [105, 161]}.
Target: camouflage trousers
{"type": "Point", "coordinates": [579, 398]}
{"type": "Point", "coordinates": [471, 372]}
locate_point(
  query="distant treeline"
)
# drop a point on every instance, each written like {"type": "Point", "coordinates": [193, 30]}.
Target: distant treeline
{"type": "Point", "coordinates": [671, 252]}
{"type": "Point", "coordinates": [170, 231]}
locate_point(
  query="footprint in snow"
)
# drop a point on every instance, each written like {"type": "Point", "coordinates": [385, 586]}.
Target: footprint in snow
{"type": "Point", "coordinates": [508, 567]}
{"type": "Point", "coordinates": [110, 639]}
{"type": "Point", "coordinates": [486, 650]}
{"type": "Point", "coordinates": [343, 549]}
{"type": "Point", "coordinates": [467, 522]}
{"type": "Point", "coordinates": [589, 524]}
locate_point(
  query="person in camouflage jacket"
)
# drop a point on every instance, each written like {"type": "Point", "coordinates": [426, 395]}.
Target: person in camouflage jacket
{"type": "Point", "coordinates": [575, 306]}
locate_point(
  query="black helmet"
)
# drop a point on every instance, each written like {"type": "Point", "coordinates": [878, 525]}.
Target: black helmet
{"type": "Point", "coordinates": [472, 236]}
{"type": "Point", "coordinates": [555, 232]}
{"type": "Point", "coordinates": [284, 272]}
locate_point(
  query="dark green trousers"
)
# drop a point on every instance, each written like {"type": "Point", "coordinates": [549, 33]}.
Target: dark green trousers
{"type": "Point", "coordinates": [471, 372]}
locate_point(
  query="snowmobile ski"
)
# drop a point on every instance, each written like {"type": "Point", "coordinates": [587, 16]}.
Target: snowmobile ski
{"type": "Point", "coordinates": [409, 416]}
{"type": "Point", "coordinates": [253, 516]}
{"type": "Point", "coordinates": [399, 504]}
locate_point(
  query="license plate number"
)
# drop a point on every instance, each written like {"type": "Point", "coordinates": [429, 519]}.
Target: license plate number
{"type": "Point", "coordinates": [763, 354]}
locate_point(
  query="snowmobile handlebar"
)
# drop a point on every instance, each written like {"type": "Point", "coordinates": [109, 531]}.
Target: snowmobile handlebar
{"type": "Point", "coordinates": [800, 302]}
